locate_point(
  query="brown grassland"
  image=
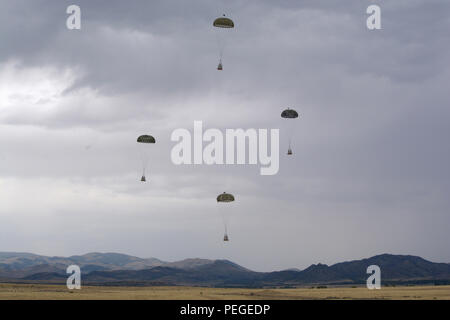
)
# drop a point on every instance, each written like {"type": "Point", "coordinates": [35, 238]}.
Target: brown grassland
{"type": "Point", "coordinates": [59, 292]}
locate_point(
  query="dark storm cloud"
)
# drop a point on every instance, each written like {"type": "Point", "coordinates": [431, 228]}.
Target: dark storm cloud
{"type": "Point", "coordinates": [160, 45]}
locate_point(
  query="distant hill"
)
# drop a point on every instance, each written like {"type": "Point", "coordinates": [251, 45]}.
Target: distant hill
{"type": "Point", "coordinates": [18, 265]}
{"type": "Point", "coordinates": [120, 269]}
{"type": "Point", "coordinates": [394, 269]}
{"type": "Point", "coordinates": [188, 263]}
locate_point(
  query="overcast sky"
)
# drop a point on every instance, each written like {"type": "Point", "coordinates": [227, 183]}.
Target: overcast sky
{"type": "Point", "coordinates": [370, 171]}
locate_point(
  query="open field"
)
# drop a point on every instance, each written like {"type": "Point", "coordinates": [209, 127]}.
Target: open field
{"type": "Point", "coordinates": [50, 292]}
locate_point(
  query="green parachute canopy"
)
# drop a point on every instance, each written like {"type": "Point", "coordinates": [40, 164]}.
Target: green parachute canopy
{"type": "Point", "coordinates": [225, 197]}
{"type": "Point", "coordinates": [223, 22]}
{"type": "Point", "coordinates": [289, 114]}
{"type": "Point", "coordinates": [146, 139]}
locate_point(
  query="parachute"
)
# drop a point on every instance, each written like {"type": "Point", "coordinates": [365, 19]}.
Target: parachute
{"type": "Point", "coordinates": [290, 114]}
{"type": "Point", "coordinates": [144, 142]}
{"type": "Point", "coordinates": [223, 22]}
{"type": "Point", "coordinates": [222, 26]}
{"type": "Point", "coordinates": [225, 205]}
{"type": "Point", "coordinates": [225, 197]}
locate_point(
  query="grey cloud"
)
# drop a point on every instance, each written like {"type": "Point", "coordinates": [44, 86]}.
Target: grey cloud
{"type": "Point", "coordinates": [371, 156]}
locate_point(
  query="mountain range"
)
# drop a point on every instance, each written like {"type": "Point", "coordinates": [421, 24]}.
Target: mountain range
{"type": "Point", "coordinates": [121, 269]}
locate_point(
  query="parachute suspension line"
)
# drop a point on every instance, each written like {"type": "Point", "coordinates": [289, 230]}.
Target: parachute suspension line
{"type": "Point", "coordinates": [291, 129]}
{"type": "Point", "coordinates": [144, 160]}
{"type": "Point", "coordinates": [225, 227]}
{"type": "Point", "coordinates": [290, 134]}
{"type": "Point", "coordinates": [225, 221]}
{"type": "Point", "coordinates": [220, 44]}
